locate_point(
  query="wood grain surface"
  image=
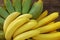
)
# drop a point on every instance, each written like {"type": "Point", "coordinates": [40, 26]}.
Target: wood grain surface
{"type": "Point", "coordinates": [50, 5]}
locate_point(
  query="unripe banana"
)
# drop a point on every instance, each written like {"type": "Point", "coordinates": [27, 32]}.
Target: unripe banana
{"type": "Point", "coordinates": [9, 19]}
{"type": "Point", "coordinates": [3, 13]}
{"type": "Point", "coordinates": [25, 27]}
{"type": "Point", "coordinates": [1, 20]}
{"type": "Point", "coordinates": [50, 36]}
{"type": "Point", "coordinates": [2, 37]}
{"type": "Point", "coordinates": [9, 6]}
{"type": "Point", "coordinates": [36, 9]}
{"type": "Point", "coordinates": [44, 14]}
{"type": "Point", "coordinates": [35, 32]}
{"type": "Point", "coordinates": [47, 19]}
{"type": "Point", "coordinates": [1, 23]}
{"type": "Point", "coordinates": [26, 6]}
{"type": "Point", "coordinates": [13, 26]}
{"type": "Point", "coordinates": [17, 5]}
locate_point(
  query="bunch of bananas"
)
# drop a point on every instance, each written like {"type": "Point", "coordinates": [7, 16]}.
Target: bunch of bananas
{"type": "Point", "coordinates": [24, 21]}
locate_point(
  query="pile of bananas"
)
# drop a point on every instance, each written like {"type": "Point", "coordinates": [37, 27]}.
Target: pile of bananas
{"type": "Point", "coordinates": [23, 21]}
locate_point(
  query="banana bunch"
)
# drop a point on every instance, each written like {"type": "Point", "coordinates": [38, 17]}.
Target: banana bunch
{"type": "Point", "coordinates": [24, 20]}
{"type": "Point", "coordinates": [22, 27]}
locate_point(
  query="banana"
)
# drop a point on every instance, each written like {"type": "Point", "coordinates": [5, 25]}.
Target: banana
{"type": "Point", "coordinates": [17, 5]}
{"type": "Point", "coordinates": [50, 36]}
{"type": "Point", "coordinates": [44, 14]}
{"type": "Point", "coordinates": [3, 13]}
{"type": "Point", "coordinates": [36, 9]}
{"type": "Point", "coordinates": [1, 27]}
{"type": "Point", "coordinates": [47, 19]}
{"type": "Point", "coordinates": [24, 15]}
{"type": "Point", "coordinates": [50, 27]}
{"type": "Point", "coordinates": [1, 20]}
{"type": "Point", "coordinates": [27, 35]}
{"type": "Point", "coordinates": [39, 34]}
{"type": "Point", "coordinates": [14, 26]}
{"type": "Point", "coordinates": [25, 27]}
{"type": "Point", "coordinates": [1, 23]}
{"type": "Point", "coordinates": [26, 6]}
{"type": "Point", "coordinates": [32, 33]}
{"type": "Point", "coordinates": [2, 37]}
{"type": "Point", "coordinates": [9, 19]}
{"type": "Point", "coordinates": [9, 6]}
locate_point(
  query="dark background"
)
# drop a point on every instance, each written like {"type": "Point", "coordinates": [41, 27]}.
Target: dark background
{"type": "Point", "coordinates": [50, 5]}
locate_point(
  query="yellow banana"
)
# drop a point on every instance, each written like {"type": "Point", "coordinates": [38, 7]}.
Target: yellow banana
{"type": "Point", "coordinates": [25, 27]}
{"type": "Point", "coordinates": [27, 35]}
{"type": "Point", "coordinates": [44, 14]}
{"type": "Point", "coordinates": [50, 27]}
{"type": "Point", "coordinates": [9, 19]}
{"type": "Point", "coordinates": [12, 17]}
{"type": "Point", "coordinates": [14, 26]}
{"type": "Point", "coordinates": [32, 33]}
{"type": "Point", "coordinates": [47, 19]}
{"type": "Point", "coordinates": [24, 15]}
{"type": "Point", "coordinates": [50, 36]}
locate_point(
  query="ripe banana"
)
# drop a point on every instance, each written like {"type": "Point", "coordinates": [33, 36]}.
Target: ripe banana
{"type": "Point", "coordinates": [50, 27]}
{"type": "Point", "coordinates": [9, 19]}
{"type": "Point", "coordinates": [27, 34]}
{"type": "Point", "coordinates": [32, 33]}
{"type": "Point", "coordinates": [50, 36]}
{"type": "Point", "coordinates": [44, 14]}
{"type": "Point", "coordinates": [9, 6]}
{"type": "Point", "coordinates": [14, 26]}
{"type": "Point", "coordinates": [36, 9]}
{"type": "Point", "coordinates": [17, 5]}
{"type": "Point", "coordinates": [24, 15]}
{"type": "Point", "coordinates": [25, 27]}
{"type": "Point", "coordinates": [47, 19]}
{"type": "Point", "coordinates": [26, 6]}
{"type": "Point", "coordinates": [3, 13]}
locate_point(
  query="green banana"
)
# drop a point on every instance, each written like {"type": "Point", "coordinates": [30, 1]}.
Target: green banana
{"type": "Point", "coordinates": [3, 13]}
{"type": "Point", "coordinates": [9, 6]}
{"type": "Point", "coordinates": [43, 15]}
{"type": "Point", "coordinates": [36, 9]}
{"type": "Point", "coordinates": [1, 23]}
{"type": "Point", "coordinates": [17, 5]}
{"type": "Point", "coordinates": [1, 20]}
{"type": "Point", "coordinates": [26, 6]}
{"type": "Point", "coordinates": [2, 37]}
